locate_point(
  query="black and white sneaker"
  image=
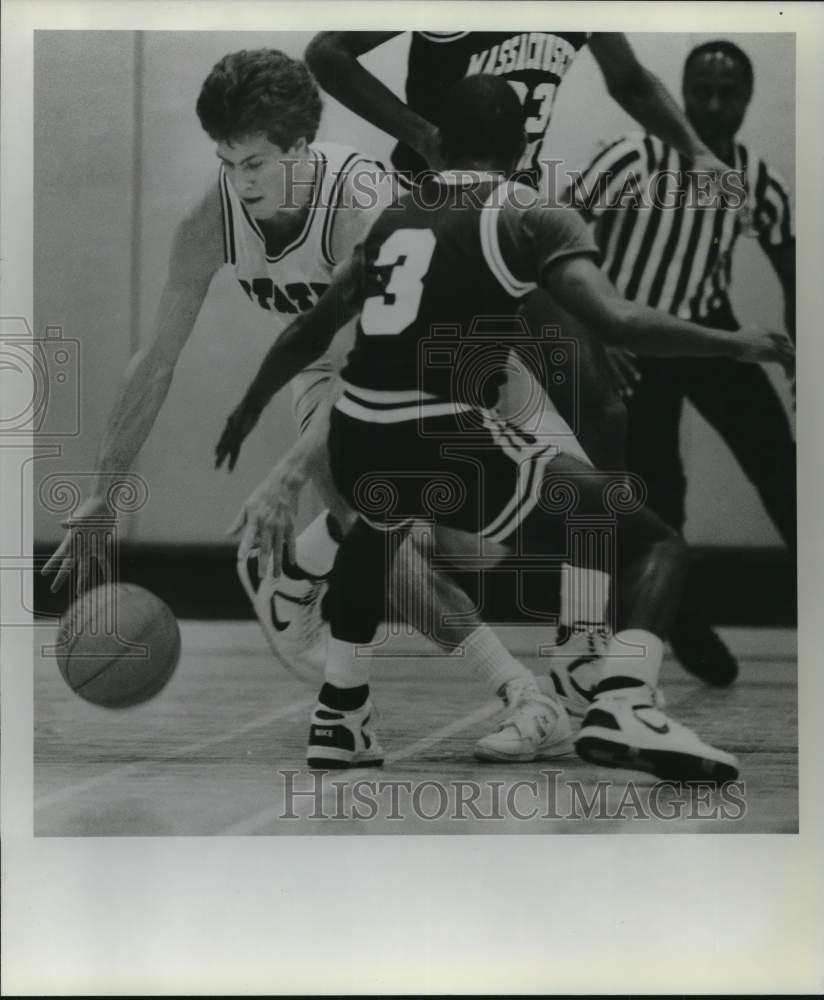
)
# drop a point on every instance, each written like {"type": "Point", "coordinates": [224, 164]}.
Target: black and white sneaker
{"type": "Point", "coordinates": [340, 739]}
{"type": "Point", "coordinates": [289, 610]}
{"type": "Point", "coordinates": [624, 728]}
{"type": "Point", "coordinates": [577, 661]}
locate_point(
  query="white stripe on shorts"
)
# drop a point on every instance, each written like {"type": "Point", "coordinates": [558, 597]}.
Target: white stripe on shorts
{"type": "Point", "coordinates": [532, 460]}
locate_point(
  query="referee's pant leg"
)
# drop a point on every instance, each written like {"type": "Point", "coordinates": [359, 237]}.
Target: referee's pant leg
{"type": "Point", "coordinates": [740, 402]}
{"type": "Point", "coordinates": [653, 438]}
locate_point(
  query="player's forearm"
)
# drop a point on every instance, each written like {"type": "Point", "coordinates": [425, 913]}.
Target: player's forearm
{"type": "Point", "coordinates": [305, 340]}
{"type": "Point", "coordinates": [651, 332]}
{"type": "Point", "coordinates": [288, 356]}
{"type": "Point", "coordinates": [147, 380]}
{"type": "Point", "coordinates": [342, 76]}
{"type": "Point", "coordinates": [141, 397]}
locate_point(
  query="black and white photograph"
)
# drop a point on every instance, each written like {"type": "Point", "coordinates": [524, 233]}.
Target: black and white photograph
{"type": "Point", "coordinates": [400, 452]}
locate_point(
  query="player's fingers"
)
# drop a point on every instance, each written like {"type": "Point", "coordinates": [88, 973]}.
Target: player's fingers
{"type": "Point", "coordinates": [265, 558]}
{"type": "Point", "coordinates": [249, 539]}
{"type": "Point", "coordinates": [233, 454]}
{"type": "Point", "coordinates": [631, 367]}
{"type": "Point", "coordinates": [52, 564]}
{"type": "Point", "coordinates": [60, 576]}
{"type": "Point", "coordinates": [622, 387]}
{"type": "Point", "coordinates": [238, 523]}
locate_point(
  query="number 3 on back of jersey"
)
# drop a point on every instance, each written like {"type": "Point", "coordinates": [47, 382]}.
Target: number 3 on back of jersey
{"type": "Point", "coordinates": [408, 252]}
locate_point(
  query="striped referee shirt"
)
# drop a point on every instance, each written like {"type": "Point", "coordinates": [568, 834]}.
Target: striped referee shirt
{"type": "Point", "coordinates": [661, 242]}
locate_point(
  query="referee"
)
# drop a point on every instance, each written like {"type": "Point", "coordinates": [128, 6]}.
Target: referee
{"type": "Point", "coordinates": [667, 240]}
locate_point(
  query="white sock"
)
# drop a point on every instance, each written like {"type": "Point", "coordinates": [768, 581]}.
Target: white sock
{"type": "Point", "coordinates": [344, 669]}
{"type": "Point", "coordinates": [632, 655]}
{"type": "Point", "coordinates": [315, 548]}
{"type": "Point", "coordinates": [584, 594]}
{"type": "Point", "coordinates": [490, 661]}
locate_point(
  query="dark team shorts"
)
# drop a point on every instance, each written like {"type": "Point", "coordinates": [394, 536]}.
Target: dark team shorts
{"type": "Point", "coordinates": [467, 470]}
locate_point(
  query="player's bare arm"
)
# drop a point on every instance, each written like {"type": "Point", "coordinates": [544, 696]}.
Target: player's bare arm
{"type": "Point", "coordinates": [196, 254]}
{"type": "Point", "coordinates": [333, 57]}
{"type": "Point", "coordinates": [280, 491]}
{"type": "Point", "coordinates": [643, 96]}
{"type": "Point", "coordinates": [582, 288]}
{"type": "Point", "coordinates": [265, 522]}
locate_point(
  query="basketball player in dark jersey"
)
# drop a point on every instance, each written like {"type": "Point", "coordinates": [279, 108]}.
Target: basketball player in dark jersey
{"type": "Point", "coordinates": [579, 382]}
{"type": "Point", "coordinates": [413, 438]}
{"type": "Point", "coordinates": [534, 63]}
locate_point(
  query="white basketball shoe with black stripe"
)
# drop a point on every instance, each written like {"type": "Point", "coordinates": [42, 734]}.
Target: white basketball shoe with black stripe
{"type": "Point", "coordinates": [289, 610]}
{"type": "Point", "coordinates": [537, 728]}
{"type": "Point", "coordinates": [625, 728]}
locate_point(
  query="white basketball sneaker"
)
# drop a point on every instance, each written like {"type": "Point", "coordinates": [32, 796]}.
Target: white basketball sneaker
{"type": "Point", "coordinates": [289, 610]}
{"type": "Point", "coordinates": [624, 728]}
{"type": "Point", "coordinates": [537, 728]}
{"type": "Point", "coordinates": [576, 666]}
{"type": "Point", "coordinates": [340, 739]}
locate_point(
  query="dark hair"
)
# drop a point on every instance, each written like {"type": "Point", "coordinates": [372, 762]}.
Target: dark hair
{"type": "Point", "coordinates": [481, 117]}
{"type": "Point", "coordinates": [728, 49]}
{"type": "Point", "coordinates": [260, 91]}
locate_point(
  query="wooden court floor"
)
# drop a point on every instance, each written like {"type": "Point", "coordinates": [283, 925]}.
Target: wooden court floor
{"type": "Point", "coordinates": [220, 752]}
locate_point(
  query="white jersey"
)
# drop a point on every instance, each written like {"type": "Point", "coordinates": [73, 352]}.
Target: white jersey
{"type": "Point", "coordinates": [292, 281]}
{"type": "Point", "coordinates": [350, 192]}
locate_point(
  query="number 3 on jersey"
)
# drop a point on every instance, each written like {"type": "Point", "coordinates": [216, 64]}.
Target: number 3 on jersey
{"type": "Point", "coordinates": [408, 252]}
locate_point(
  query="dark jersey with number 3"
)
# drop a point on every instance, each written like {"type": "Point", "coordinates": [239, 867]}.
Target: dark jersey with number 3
{"type": "Point", "coordinates": [442, 275]}
{"type": "Point", "coordinates": [533, 62]}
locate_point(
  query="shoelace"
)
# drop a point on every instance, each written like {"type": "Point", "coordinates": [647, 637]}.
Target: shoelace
{"type": "Point", "coordinates": [530, 706]}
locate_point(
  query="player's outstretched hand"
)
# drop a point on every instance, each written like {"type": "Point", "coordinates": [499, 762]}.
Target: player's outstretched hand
{"type": "Point", "coordinates": [239, 425]}
{"type": "Point", "coordinates": [760, 344]}
{"type": "Point", "coordinates": [265, 523]}
{"type": "Point", "coordinates": [624, 367]}
{"type": "Point", "coordinates": [81, 555]}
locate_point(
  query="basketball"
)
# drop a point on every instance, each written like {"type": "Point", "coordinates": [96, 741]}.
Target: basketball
{"type": "Point", "coordinates": [118, 645]}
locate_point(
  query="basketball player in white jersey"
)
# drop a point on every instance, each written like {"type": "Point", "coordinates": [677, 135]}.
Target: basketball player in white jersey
{"type": "Point", "coordinates": [280, 214]}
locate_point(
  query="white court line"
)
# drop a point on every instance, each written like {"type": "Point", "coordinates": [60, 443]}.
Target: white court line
{"type": "Point", "coordinates": [441, 734]}
{"type": "Point", "coordinates": [69, 791]}
{"type": "Point", "coordinates": [254, 823]}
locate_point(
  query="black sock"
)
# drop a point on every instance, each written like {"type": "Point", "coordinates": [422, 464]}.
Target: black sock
{"type": "Point", "coordinates": [343, 699]}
